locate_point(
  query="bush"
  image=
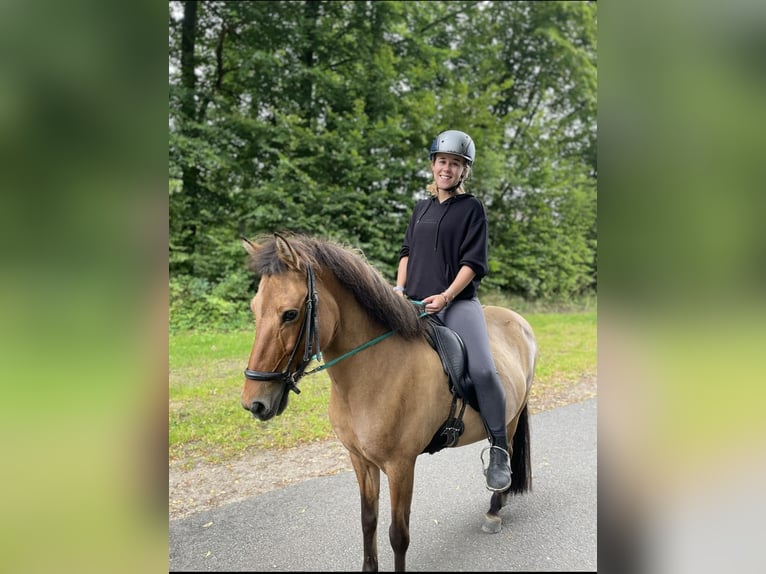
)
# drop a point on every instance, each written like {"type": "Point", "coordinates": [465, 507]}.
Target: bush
{"type": "Point", "coordinates": [200, 305]}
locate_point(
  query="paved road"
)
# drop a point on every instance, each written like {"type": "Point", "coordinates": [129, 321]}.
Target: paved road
{"type": "Point", "coordinates": [314, 526]}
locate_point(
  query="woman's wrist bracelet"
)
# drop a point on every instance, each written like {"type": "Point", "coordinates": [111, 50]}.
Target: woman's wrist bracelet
{"type": "Point", "coordinates": [399, 288]}
{"type": "Point", "coordinates": [447, 298]}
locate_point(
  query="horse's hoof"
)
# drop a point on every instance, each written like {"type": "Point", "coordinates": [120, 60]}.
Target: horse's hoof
{"type": "Point", "coordinates": [492, 523]}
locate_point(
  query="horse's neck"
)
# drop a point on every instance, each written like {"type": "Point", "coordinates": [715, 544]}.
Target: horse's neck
{"type": "Point", "coordinates": [354, 327]}
{"type": "Point", "coordinates": [353, 332]}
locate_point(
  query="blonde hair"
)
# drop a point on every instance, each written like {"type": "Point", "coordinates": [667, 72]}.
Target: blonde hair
{"type": "Point", "coordinates": [433, 189]}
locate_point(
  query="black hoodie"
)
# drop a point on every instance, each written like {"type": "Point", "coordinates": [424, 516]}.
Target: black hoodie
{"type": "Point", "coordinates": [440, 239]}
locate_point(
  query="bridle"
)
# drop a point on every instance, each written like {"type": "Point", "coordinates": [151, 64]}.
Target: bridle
{"type": "Point", "coordinates": [310, 328]}
{"type": "Point", "coordinates": [309, 332]}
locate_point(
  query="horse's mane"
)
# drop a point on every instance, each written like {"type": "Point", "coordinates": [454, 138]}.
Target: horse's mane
{"type": "Point", "coordinates": [352, 270]}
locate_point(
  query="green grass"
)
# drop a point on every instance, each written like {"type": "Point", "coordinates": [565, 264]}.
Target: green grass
{"type": "Point", "coordinates": [207, 422]}
{"type": "Point", "coordinates": [206, 419]}
{"type": "Point", "coordinates": [567, 346]}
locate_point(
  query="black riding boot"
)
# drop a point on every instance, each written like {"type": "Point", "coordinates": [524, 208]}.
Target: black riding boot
{"type": "Point", "coordinates": [499, 469]}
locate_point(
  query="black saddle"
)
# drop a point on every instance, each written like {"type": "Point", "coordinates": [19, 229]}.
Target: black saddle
{"type": "Point", "coordinates": [451, 350]}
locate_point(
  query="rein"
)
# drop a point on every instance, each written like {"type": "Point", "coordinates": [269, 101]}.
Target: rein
{"type": "Point", "coordinates": [362, 347]}
{"type": "Point", "coordinates": [310, 327]}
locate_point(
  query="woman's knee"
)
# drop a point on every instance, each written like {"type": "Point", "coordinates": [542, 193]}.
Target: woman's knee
{"type": "Point", "coordinates": [486, 376]}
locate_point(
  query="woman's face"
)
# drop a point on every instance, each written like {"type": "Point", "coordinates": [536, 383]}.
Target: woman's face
{"type": "Point", "coordinates": [447, 170]}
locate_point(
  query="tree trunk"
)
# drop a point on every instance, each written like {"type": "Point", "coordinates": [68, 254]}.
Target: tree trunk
{"type": "Point", "coordinates": [189, 172]}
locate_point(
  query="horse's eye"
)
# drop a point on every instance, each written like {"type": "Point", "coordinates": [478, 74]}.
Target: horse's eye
{"type": "Point", "coordinates": [288, 316]}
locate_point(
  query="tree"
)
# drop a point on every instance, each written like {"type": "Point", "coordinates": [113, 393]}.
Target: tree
{"type": "Point", "coordinates": [317, 117]}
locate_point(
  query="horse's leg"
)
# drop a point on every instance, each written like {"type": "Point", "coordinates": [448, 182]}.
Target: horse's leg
{"type": "Point", "coordinates": [368, 477]}
{"type": "Point", "coordinates": [400, 481]}
{"type": "Point", "coordinates": [492, 521]}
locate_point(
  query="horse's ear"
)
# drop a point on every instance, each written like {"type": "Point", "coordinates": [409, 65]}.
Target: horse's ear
{"type": "Point", "coordinates": [249, 246]}
{"type": "Point", "coordinates": [286, 252]}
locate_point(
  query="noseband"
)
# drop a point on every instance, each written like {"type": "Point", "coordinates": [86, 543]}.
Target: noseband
{"type": "Point", "coordinates": [309, 332]}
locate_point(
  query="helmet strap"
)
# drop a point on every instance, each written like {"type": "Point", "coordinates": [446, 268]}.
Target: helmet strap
{"type": "Point", "coordinates": [455, 187]}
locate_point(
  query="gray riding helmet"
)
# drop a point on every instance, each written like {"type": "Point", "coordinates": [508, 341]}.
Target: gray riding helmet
{"type": "Point", "coordinates": [456, 143]}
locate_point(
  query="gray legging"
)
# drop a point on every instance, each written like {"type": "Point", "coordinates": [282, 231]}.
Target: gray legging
{"type": "Point", "coordinates": [466, 317]}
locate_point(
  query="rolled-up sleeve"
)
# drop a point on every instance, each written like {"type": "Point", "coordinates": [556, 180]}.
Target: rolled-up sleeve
{"type": "Point", "coordinates": [474, 247]}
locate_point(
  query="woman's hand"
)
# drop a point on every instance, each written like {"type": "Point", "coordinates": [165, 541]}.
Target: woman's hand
{"type": "Point", "coordinates": [436, 303]}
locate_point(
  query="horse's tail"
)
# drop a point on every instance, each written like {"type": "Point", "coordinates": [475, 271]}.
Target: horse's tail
{"type": "Point", "coordinates": [521, 466]}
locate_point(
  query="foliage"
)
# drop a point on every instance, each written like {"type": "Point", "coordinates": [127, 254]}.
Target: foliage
{"type": "Point", "coordinates": [196, 304]}
{"type": "Point", "coordinates": [317, 117]}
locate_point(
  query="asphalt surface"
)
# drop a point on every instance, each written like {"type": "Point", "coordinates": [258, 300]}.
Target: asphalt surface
{"type": "Point", "coordinates": [315, 526]}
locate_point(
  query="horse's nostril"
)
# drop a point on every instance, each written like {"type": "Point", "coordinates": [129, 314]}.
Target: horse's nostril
{"type": "Point", "coordinates": [255, 407]}
{"type": "Point", "coordinates": [251, 406]}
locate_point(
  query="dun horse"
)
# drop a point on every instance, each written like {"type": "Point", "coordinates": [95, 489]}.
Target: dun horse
{"type": "Point", "coordinates": [390, 394]}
